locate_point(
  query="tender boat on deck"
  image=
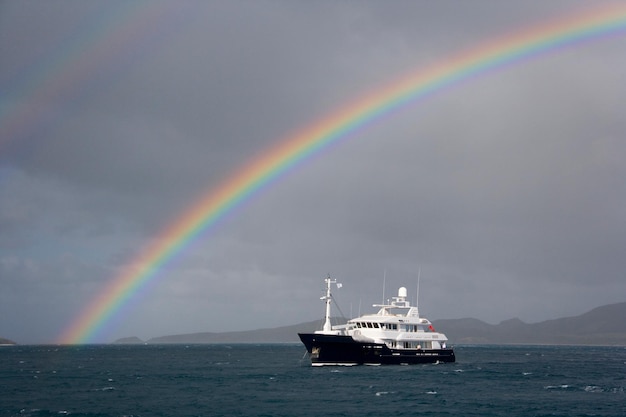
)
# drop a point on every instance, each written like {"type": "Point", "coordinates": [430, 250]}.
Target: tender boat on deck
{"type": "Point", "coordinates": [396, 334]}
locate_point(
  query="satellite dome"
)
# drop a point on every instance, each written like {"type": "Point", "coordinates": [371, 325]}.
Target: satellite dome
{"type": "Point", "coordinates": [402, 292]}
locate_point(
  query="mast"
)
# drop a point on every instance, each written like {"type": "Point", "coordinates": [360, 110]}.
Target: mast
{"type": "Point", "coordinates": [327, 298]}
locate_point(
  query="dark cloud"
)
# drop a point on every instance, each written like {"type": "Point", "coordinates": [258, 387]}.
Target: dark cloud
{"type": "Point", "coordinates": [506, 191]}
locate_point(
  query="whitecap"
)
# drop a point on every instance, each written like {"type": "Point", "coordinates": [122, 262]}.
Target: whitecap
{"type": "Point", "coordinates": [105, 389]}
{"type": "Point", "coordinates": [431, 392]}
{"type": "Point", "coordinates": [593, 388]}
{"type": "Point", "coordinates": [379, 393]}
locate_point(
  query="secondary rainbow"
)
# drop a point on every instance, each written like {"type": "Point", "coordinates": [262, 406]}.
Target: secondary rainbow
{"type": "Point", "coordinates": [253, 177]}
{"type": "Point", "coordinates": [64, 72]}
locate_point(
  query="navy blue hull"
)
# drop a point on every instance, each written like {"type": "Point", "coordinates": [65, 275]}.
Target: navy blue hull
{"type": "Point", "coordinates": [343, 350]}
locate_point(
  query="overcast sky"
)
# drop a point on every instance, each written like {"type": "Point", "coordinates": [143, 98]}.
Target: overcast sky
{"type": "Point", "coordinates": [507, 192]}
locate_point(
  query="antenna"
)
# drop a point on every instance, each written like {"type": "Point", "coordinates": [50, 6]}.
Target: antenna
{"type": "Point", "coordinates": [384, 280]}
{"type": "Point", "coordinates": [417, 296]}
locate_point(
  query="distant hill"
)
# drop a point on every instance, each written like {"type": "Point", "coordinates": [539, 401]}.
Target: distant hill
{"type": "Point", "coordinates": [283, 334]}
{"type": "Point", "coordinates": [601, 326]}
{"type": "Point", "coordinates": [6, 341]}
{"type": "Point", "coordinates": [129, 341]}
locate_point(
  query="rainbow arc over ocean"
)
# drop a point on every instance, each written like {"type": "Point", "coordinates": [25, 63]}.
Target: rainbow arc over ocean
{"type": "Point", "coordinates": [209, 209]}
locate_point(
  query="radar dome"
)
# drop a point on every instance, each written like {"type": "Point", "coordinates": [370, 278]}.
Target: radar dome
{"type": "Point", "coordinates": [402, 292]}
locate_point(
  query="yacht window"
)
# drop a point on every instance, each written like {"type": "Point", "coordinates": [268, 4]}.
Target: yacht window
{"type": "Point", "coordinates": [369, 325]}
{"type": "Point", "coordinates": [358, 325]}
{"type": "Point", "coordinates": [376, 325]}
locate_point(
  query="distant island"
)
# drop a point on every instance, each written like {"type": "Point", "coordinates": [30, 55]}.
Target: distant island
{"type": "Point", "coordinates": [6, 342]}
{"type": "Point", "coordinates": [129, 341]}
{"type": "Point", "coordinates": [604, 326]}
{"type": "Point", "coordinates": [601, 326]}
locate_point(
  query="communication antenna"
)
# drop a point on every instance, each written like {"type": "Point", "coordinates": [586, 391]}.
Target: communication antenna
{"type": "Point", "coordinates": [384, 280]}
{"type": "Point", "coordinates": [417, 296]}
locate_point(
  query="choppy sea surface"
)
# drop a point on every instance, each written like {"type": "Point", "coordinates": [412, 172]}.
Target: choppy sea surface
{"type": "Point", "coordinates": [275, 380]}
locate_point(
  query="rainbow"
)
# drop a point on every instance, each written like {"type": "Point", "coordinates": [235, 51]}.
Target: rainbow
{"type": "Point", "coordinates": [292, 151]}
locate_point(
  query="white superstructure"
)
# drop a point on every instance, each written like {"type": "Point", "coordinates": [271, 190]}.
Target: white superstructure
{"type": "Point", "coordinates": [397, 325]}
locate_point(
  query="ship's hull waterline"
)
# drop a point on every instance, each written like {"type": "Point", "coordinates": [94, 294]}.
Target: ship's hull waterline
{"type": "Point", "coordinates": [326, 349]}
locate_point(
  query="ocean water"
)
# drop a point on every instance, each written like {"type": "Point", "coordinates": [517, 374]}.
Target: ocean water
{"type": "Point", "coordinates": [275, 380]}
